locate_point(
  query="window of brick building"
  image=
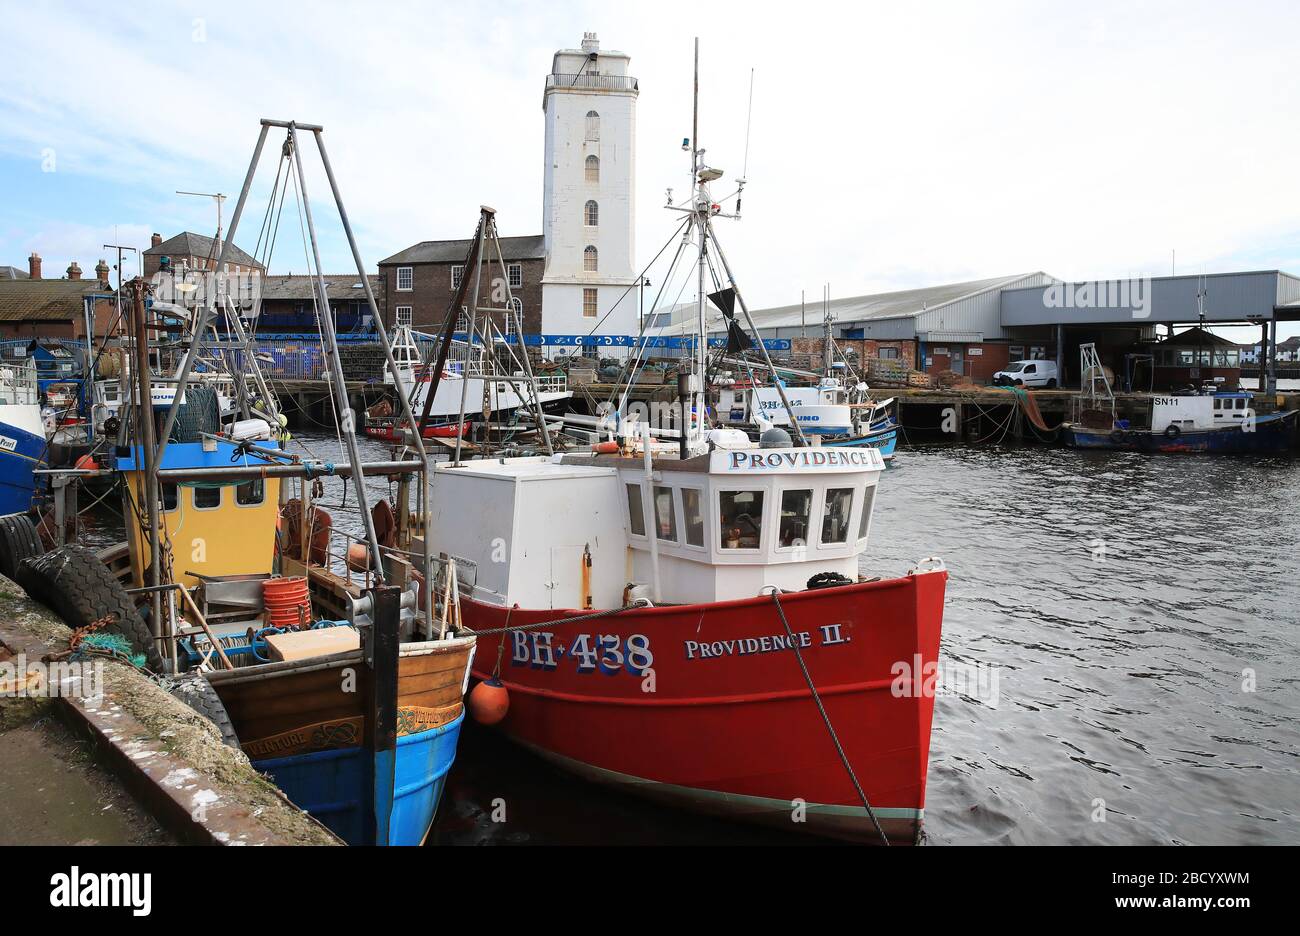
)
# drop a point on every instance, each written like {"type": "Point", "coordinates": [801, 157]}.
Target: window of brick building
{"type": "Point", "coordinates": [405, 278]}
{"type": "Point", "coordinates": [589, 303]}
{"type": "Point", "coordinates": [589, 259]}
{"type": "Point", "coordinates": [456, 272]}
{"type": "Point", "coordinates": [403, 315]}
{"type": "Point", "coordinates": [515, 272]}
{"type": "Point", "coordinates": [462, 321]}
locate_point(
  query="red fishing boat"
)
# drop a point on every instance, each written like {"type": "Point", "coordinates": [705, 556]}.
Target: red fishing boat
{"type": "Point", "coordinates": [703, 681]}
{"type": "Point", "coordinates": [385, 429]}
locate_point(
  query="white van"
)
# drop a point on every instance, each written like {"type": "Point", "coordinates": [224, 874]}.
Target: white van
{"type": "Point", "coordinates": [1028, 374]}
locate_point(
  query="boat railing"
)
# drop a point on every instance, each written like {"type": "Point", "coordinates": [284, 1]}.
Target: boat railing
{"type": "Point", "coordinates": [552, 383]}
{"type": "Point", "coordinates": [18, 383]}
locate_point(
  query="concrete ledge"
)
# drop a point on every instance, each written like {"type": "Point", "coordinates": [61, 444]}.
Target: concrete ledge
{"type": "Point", "coordinates": [168, 756]}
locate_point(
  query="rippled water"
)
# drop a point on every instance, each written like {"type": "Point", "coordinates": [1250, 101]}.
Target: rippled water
{"type": "Point", "coordinates": [1122, 599]}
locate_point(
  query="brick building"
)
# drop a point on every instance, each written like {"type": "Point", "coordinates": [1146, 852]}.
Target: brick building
{"type": "Point", "coordinates": [418, 283]}
{"type": "Point", "coordinates": [34, 307]}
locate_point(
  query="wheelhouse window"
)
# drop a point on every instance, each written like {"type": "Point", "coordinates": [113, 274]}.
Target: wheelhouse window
{"type": "Point", "coordinates": [693, 515]}
{"type": "Point", "coordinates": [250, 493]}
{"type": "Point", "coordinates": [405, 278]}
{"type": "Point", "coordinates": [796, 507]}
{"type": "Point", "coordinates": [665, 515]}
{"type": "Point", "coordinates": [207, 498]}
{"type": "Point", "coordinates": [170, 497]}
{"type": "Point", "coordinates": [835, 520]}
{"type": "Point", "coordinates": [741, 515]}
{"type": "Point", "coordinates": [868, 501]}
{"type": "Point", "coordinates": [635, 510]}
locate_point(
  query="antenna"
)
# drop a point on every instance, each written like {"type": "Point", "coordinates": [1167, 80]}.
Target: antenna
{"type": "Point", "coordinates": [218, 197]}
{"type": "Point", "coordinates": [749, 118]}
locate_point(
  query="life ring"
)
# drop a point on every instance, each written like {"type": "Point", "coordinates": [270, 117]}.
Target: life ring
{"type": "Point", "coordinates": [1172, 431]}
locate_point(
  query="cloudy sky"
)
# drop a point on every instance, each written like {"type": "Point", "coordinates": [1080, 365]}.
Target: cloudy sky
{"type": "Point", "coordinates": [893, 145]}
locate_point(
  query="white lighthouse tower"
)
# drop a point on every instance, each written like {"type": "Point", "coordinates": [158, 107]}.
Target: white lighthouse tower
{"type": "Point", "coordinates": [589, 205]}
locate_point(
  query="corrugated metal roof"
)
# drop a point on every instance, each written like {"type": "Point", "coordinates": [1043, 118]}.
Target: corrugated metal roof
{"type": "Point", "coordinates": [28, 300]}
{"type": "Point", "coordinates": [899, 304]}
{"type": "Point", "coordinates": [531, 247]}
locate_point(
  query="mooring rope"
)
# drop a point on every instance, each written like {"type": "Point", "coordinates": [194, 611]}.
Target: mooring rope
{"type": "Point", "coordinates": [844, 758]}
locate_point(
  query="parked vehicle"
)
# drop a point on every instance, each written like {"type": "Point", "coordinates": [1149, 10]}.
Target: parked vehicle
{"type": "Point", "coordinates": [1028, 374]}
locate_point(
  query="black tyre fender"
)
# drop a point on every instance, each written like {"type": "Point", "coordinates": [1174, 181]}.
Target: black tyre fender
{"type": "Point", "coordinates": [1172, 431]}
{"type": "Point", "coordinates": [1117, 436]}
{"type": "Point", "coordinates": [195, 691]}
{"type": "Point", "coordinates": [76, 585]}
{"type": "Point", "coordinates": [18, 541]}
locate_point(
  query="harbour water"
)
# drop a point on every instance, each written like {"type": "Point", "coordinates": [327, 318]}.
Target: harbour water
{"type": "Point", "coordinates": [1134, 626]}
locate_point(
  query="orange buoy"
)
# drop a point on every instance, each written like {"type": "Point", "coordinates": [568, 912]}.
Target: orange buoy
{"type": "Point", "coordinates": [489, 701]}
{"type": "Point", "coordinates": [86, 463]}
{"type": "Point", "coordinates": [358, 557]}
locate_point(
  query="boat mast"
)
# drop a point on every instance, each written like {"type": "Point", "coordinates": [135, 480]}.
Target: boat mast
{"type": "Point", "coordinates": [697, 395]}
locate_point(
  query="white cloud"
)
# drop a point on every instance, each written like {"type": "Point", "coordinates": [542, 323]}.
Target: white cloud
{"type": "Point", "coordinates": [892, 145]}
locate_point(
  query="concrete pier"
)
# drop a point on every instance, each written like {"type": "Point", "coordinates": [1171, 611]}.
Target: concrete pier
{"type": "Point", "coordinates": [168, 758]}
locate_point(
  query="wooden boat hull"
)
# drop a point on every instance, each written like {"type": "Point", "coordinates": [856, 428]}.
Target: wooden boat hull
{"type": "Point", "coordinates": [705, 706]}
{"type": "Point", "coordinates": [1273, 434]}
{"type": "Point", "coordinates": [305, 724]}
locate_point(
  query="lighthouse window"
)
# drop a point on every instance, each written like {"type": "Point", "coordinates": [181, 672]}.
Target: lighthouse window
{"type": "Point", "coordinates": [591, 214]}
{"type": "Point", "coordinates": [593, 168]}
{"type": "Point", "coordinates": [589, 259]}
{"type": "Point", "coordinates": [207, 498]}
{"type": "Point", "coordinates": [593, 127]}
{"type": "Point", "coordinates": [589, 303]}
{"type": "Point", "coordinates": [795, 508]}
{"type": "Point", "coordinates": [693, 514]}
{"type": "Point", "coordinates": [835, 520]}
{"type": "Point", "coordinates": [665, 515]}
{"type": "Point", "coordinates": [635, 512]}
{"type": "Point", "coordinates": [742, 519]}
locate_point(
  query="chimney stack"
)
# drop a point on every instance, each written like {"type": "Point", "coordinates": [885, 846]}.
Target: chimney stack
{"type": "Point", "coordinates": [101, 273]}
{"type": "Point", "coordinates": [74, 271]}
{"type": "Point", "coordinates": [155, 240]}
{"type": "Point", "coordinates": [590, 44]}
{"type": "Point", "coordinates": [34, 265]}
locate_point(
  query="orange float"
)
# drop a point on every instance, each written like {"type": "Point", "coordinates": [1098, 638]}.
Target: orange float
{"type": "Point", "coordinates": [489, 701]}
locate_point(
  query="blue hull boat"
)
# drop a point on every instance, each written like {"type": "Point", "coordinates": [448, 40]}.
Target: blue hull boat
{"type": "Point", "coordinates": [21, 452]}
{"type": "Point", "coordinates": [331, 785]}
{"type": "Point", "coordinates": [882, 437]}
{"type": "Point", "coordinates": [1272, 434]}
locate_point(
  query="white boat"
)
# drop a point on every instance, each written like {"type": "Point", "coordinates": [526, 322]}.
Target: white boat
{"type": "Point", "coordinates": [22, 436]}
